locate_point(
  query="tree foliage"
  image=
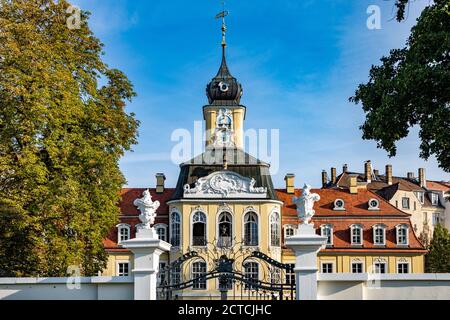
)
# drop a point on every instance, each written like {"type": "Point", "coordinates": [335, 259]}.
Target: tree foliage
{"type": "Point", "coordinates": [411, 88]}
{"type": "Point", "coordinates": [438, 258]}
{"type": "Point", "coordinates": [62, 134]}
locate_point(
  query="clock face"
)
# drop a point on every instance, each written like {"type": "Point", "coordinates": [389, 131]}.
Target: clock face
{"type": "Point", "coordinates": [223, 86]}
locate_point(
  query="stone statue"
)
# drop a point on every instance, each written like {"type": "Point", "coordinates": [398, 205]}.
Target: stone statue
{"type": "Point", "coordinates": [305, 204]}
{"type": "Point", "coordinates": [148, 210]}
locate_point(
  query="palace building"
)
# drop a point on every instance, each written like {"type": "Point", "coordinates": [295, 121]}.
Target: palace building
{"type": "Point", "coordinates": [225, 207]}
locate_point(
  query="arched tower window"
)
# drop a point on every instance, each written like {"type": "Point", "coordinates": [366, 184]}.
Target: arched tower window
{"type": "Point", "coordinates": [175, 229]}
{"type": "Point", "coordinates": [199, 229]}
{"type": "Point", "coordinates": [251, 229]}
{"type": "Point", "coordinates": [275, 233]}
{"type": "Point", "coordinates": [225, 231]}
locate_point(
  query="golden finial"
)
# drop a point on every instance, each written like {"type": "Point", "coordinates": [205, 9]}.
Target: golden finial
{"type": "Point", "coordinates": [222, 15]}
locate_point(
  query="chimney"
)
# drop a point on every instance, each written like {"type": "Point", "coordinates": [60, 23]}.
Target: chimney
{"type": "Point", "coordinates": [422, 179]}
{"type": "Point", "coordinates": [290, 183]}
{"type": "Point", "coordinates": [160, 178]}
{"type": "Point", "coordinates": [353, 185]}
{"type": "Point", "coordinates": [324, 179]}
{"type": "Point", "coordinates": [368, 171]}
{"type": "Point", "coordinates": [333, 175]}
{"type": "Point", "coordinates": [345, 168]}
{"type": "Point", "coordinates": [389, 174]}
{"type": "Point", "coordinates": [410, 175]}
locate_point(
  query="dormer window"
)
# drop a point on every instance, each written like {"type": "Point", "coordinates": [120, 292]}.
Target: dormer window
{"type": "Point", "coordinates": [421, 196]}
{"type": "Point", "coordinates": [326, 230]}
{"type": "Point", "coordinates": [434, 199]}
{"type": "Point", "coordinates": [379, 235]}
{"type": "Point", "coordinates": [289, 230]}
{"type": "Point", "coordinates": [374, 204]}
{"type": "Point", "coordinates": [356, 234]}
{"type": "Point", "coordinates": [339, 205]}
{"type": "Point", "coordinates": [402, 235]}
{"type": "Point", "coordinates": [123, 232]}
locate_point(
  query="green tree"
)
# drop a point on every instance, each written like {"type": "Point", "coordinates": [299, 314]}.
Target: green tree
{"type": "Point", "coordinates": [62, 134]}
{"type": "Point", "coordinates": [438, 258]}
{"type": "Point", "coordinates": [412, 88]}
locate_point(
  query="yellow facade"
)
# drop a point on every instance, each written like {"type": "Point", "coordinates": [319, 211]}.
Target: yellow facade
{"type": "Point", "coordinates": [342, 263]}
{"type": "Point", "coordinates": [237, 209]}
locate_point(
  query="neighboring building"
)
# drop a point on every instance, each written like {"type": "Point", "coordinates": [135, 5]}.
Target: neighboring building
{"type": "Point", "coordinates": [423, 200]}
{"type": "Point", "coordinates": [366, 233]}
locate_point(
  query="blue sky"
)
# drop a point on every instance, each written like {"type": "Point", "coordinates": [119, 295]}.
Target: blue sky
{"type": "Point", "coordinates": [298, 62]}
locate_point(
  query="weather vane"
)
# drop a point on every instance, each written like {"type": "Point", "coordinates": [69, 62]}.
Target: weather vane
{"type": "Point", "coordinates": [222, 16]}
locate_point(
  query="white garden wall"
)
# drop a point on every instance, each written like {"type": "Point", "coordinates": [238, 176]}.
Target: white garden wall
{"type": "Point", "coordinates": [95, 288]}
{"type": "Point", "coordinates": [383, 287]}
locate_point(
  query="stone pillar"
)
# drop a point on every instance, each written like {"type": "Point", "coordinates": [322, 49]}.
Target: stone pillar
{"type": "Point", "coordinates": [147, 248]}
{"type": "Point", "coordinates": [306, 244]}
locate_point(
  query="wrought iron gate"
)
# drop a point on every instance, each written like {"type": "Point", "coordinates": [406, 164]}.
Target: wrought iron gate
{"type": "Point", "coordinates": [271, 280]}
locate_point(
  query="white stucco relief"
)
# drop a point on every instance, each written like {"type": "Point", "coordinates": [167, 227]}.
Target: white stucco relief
{"type": "Point", "coordinates": [225, 184]}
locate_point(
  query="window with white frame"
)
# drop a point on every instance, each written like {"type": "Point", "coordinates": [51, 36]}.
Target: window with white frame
{"type": "Point", "coordinates": [198, 273]}
{"type": "Point", "coordinates": [379, 267]}
{"type": "Point", "coordinates": [434, 199]}
{"type": "Point", "coordinates": [123, 269]}
{"type": "Point", "coordinates": [357, 267]}
{"type": "Point", "coordinates": [275, 240]}
{"type": "Point", "coordinates": [225, 230]}
{"type": "Point", "coordinates": [379, 235]}
{"type": "Point", "coordinates": [403, 267]}
{"type": "Point", "coordinates": [123, 232]}
{"type": "Point", "coordinates": [175, 229]}
{"type": "Point", "coordinates": [326, 230]}
{"type": "Point", "coordinates": [275, 275]}
{"type": "Point", "coordinates": [356, 234]}
{"type": "Point", "coordinates": [162, 272]}
{"type": "Point", "coordinates": [289, 231]}
{"type": "Point", "coordinates": [402, 234]}
{"type": "Point", "coordinates": [290, 275]}
{"type": "Point", "coordinates": [405, 203]}
{"type": "Point", "coordinates": [436, 218]}
{"type": "Point", "coordinates": [251, 273]}
{"type": "Point", "coordinates": [251, 229]}
{"type": "Point", "coordinates": [175, 275]}
{"type": "Point", "coordinates": [326, 267]}
{"type": "Point", "coordinates": [161, 231]}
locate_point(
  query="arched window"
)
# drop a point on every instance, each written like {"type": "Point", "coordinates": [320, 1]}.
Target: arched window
{"type": "Point", "coordinates": [199, 229]}
{"type": "Point", "coordinates": [123, 232]}
{"type": "Point", "coordinates": [251, 273]}
{"type": "Point", "coordinates": [379, 234]}
{"type": "Point", "coordinates": [251, 229]}
{"type": "Point", "coordinates": [402, 235]}
{"type": "Point", "coordinates": [327, 231]}
{"type": "Point", "coordinates": [175, 229]}
{"type": "Point", "coordinates": [161, 231]}
{"type": "Point", "coordinates": [356, 234]}
{"type": "Point", "coordinates": [275, 229]}
{"type": "Point", "coordinates": [225, 230]}
{"type": "Point", "coordinates": [197, 273]}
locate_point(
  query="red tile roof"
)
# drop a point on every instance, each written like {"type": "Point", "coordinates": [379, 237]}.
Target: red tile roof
{"type": "Point", "coordinates": [357, 212]}
{"type": "Point", "coordinates": [436, 185]}
{"type": "Point", "coordinates": [130, 214]}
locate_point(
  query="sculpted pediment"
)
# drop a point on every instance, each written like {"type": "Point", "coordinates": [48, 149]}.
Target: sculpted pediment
{"type": "Point", "coordinates": [225, 184]}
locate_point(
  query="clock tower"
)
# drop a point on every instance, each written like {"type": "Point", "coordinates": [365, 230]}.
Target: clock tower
{"type": "Point", "coordinates": [224, 115]}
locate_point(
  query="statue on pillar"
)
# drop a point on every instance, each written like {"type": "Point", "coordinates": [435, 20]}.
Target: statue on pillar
{"type": "Point", "coordinates": [148, 208]}
{"type": "Point", "coordinates": [305, 204]}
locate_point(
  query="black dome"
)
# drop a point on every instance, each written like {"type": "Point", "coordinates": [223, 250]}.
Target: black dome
{"type": "Point", "coordinates": [224, 89]}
